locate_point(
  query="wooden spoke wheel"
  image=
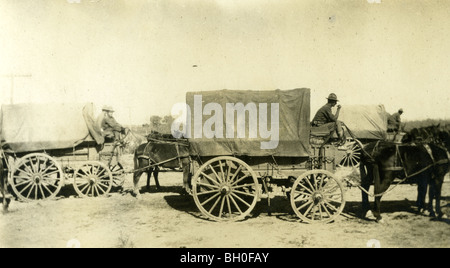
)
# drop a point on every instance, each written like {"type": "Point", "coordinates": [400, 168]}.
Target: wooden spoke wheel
{"type": "Point", "coordinates": [118, 173]}
{"type": "Point", "coordinates": [36, 176]}
{"type": "Point", "coordinates": [352, 156]}
{"type": "Point", "coordinates": [317, 196]}
{"type": "Point", "coordinates": [225, 189]}
{"type": "Point", "coordinates": [93, 179]}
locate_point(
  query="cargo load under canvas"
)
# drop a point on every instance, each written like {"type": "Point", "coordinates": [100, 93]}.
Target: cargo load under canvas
{"type": "Point", "coordinates": [36, 127]}
{"type": "Point", "coordinates": [254, 123]}
{"type": "Point", "coordinates": [365, 121]}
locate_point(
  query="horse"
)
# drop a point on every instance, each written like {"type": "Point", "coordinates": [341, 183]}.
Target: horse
{"type": "Point", "coordinates": [387, 161]}
{"type": "Point", "coordinates": [439, 153]}
{"type": "Point", "coordinates": [150, 156]}
{"type": "Point", "coordinates": [437, 141]}
{"type": "Point", "coordinates": [429, 134]}
{"type": "Point", "coordinates": [419, 135]}
{"type": "Point", "coordinates": [444, 138]}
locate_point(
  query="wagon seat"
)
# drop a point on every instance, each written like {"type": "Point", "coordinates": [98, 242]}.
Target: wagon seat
{"type": "Point", "coordinates": [321, 135]}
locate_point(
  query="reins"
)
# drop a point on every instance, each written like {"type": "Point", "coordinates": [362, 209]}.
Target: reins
{"type": "Point", "coordinates": [395, 168]}
{"type": "Point", "coordinates": [398, 168]}
{"type": "Point", "coordinates": [178, 157]}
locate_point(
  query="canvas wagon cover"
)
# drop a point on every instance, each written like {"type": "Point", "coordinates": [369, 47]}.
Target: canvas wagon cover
{"type": "Point", "coordinates": [365, 121]}
{"type": "Point", "coordinates": [35, 127]}
{"type": "Point", "coordinates": [293, 117]}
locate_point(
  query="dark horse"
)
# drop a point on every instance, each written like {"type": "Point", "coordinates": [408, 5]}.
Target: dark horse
{"type": "Point", "coordinates": [437, 140]}
{"type": "Point", "coordinates": [161, 153]}
{"type": "Point", "coordinates": [384, 161]}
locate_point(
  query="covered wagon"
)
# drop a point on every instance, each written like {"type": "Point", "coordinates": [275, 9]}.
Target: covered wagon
{"type": "Point", "coordinates": [248, 143]}
{"type": "Point", "coordinates": [47, 145]}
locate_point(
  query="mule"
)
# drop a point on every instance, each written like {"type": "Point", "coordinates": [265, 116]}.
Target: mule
{"type": "Point", "coordinates": [444, 139]}
{"type": "Point", "coordinates": [439, 171]}
{"type": "Point", "coordinates": [437, 141]}
{"type": "Point", "coordinates": [429, 134]}
{"type": "Point", "coordinates": [161, 154]}
{"type": "Point", "coordinates": [383, 161]}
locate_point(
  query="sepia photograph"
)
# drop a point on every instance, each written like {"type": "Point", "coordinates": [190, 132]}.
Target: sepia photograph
{"type": "Point", "coordinates": [224, 124]}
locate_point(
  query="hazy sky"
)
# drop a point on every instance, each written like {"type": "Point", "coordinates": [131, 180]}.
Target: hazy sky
{"type": "Point", "coordinates": [143, 56]}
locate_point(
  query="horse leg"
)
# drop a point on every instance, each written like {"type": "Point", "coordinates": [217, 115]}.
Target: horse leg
{"type": "Point", "coordinates": [7, 197]}
{"type": "Point", "coordinates": [377, 209]}
{"type": "Point", "coordinates": [366, 178]}
{"type": "Point", "coordinates": [186, 179]}
{"type": "Point", "coordinates": [149, 176]}
{"type": "Point", "coordinates": [422, 185]}
{"type": "Point", "coordinates": [155, 175]}
{"type": "Point", "coordinates": [431, 197]}
{"type": "Point", "coordinates": [382, 181]}
{"type": "Point", "coordinates": [437, 195]}
{"type": "Point", "coordinates": [136, 177]}
{"type": "Point", "coordinates": [378, 188]}
{"type": "Point", "coordinates": [3, 189]}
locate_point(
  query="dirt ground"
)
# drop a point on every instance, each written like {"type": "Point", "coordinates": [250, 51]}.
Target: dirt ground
{"type": "Point", "coordinates": [167, 219]}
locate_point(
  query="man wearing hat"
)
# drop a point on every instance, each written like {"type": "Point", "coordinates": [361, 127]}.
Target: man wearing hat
{"type": "Point", "coordinates": [111, 129]}
{"type": "Point", "coordinates": [394, 121]}
{"type": "Point", "coordinates": [328, 121]}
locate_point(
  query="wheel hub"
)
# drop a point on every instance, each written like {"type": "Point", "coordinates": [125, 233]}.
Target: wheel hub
{"type": "Point", "coordinates": [317, 198]}
{"type": "Point", "coordinates": [92, 180]}
{"type": "Point", "coordinates": [37, 178]}
{"type": "Point", "coordinates": [225, 189]}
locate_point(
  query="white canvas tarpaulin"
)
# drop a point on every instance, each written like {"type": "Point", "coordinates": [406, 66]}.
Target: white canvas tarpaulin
{"type": "Point", "coordinates": [365, 121]}
{"type": "Point", "coordinates": [34, 127]}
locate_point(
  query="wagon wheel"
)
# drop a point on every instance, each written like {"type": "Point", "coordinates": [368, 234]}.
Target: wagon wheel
{"type": "Point", "coordinates": [225, 189]}
{"type": "Point", "coordinates": [317, 196]}
{"type": "Point", "coordinates": [352, 156]}
{"type": "Point", "coordinates": [93, 179]}
{"type": "Point", "coordinates": [118, 173]}
{"type": "Point", "coordinates": [36, 176]}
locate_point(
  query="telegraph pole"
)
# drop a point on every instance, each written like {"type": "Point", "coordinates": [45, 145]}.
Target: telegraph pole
{"type": "Point", "coordinates": [12, 77]}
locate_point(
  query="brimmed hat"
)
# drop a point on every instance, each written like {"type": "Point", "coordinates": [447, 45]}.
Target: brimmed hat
{"type": "Point", "coordinates": [108, 108]}
{"type": "Point", "coordinates": [400, 110]}
{"type": "Point", "coordinates": [332, 96]}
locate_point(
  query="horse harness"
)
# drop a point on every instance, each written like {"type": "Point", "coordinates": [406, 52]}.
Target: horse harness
{"type": "Point", "coordinates": [399, 162]}
{"type": "Point", "coordinates": [153, 162]}
{"type": "Point", "coordinates": [400, 166]}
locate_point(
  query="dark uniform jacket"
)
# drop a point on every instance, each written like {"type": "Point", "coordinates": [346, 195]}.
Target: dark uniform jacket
{"type": "Point", "coordinates": [323, 116]}
{"type": "Point", "coordinates": [110, 127]}
{"type": "Point", "coordinates": [110, 124]}
{"type": "Point", "coordinates": [394, 121]}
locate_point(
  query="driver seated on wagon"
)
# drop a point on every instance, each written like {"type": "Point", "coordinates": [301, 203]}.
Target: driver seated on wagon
{"type": "Point", "coordinates": [111, 129]}
{"type": "Point", "coordinates": [326, 123]}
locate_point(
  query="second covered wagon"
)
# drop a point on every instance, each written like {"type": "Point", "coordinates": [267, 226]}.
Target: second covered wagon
{"type": "Point", "coordinates": [248, 142]}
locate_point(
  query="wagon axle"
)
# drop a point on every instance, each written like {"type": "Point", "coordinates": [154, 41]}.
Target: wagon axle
{"type": "Point", "coordinates": [317, 198]}
{"type": "Point", "coordinates": [37, 178]}
{"type": "Point", "coordinates": [92, 180]}
{"type": "Point", "coordinates": [225, 189]}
